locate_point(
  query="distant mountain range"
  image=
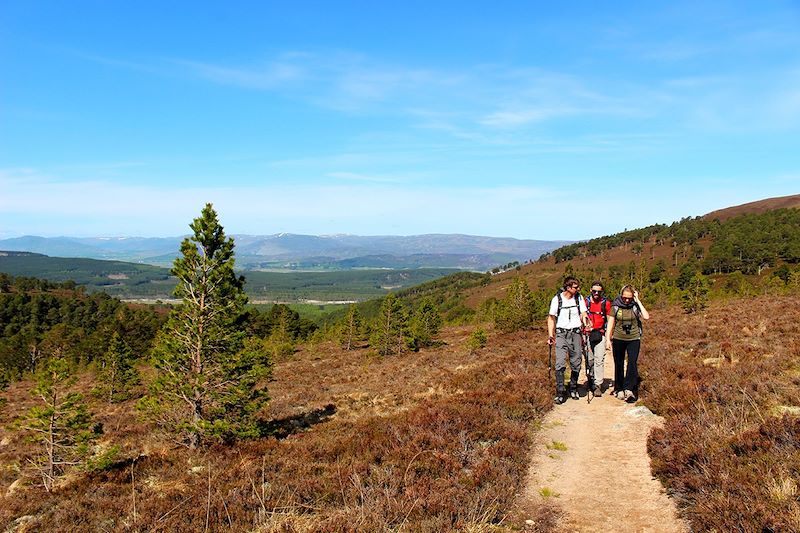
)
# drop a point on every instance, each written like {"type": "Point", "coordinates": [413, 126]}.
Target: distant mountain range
{"type": "Point", "coordinates": [307, 252]}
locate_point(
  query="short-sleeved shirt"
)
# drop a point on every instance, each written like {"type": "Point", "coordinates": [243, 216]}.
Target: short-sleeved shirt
{"type": "Point", "coordinates": [571, 309]}
{"type": "Point", "coordinates": [598, 312]}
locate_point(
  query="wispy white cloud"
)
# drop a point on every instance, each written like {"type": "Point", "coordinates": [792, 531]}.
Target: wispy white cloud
{"type": "Point", "coordinates": [362, 208]}
{"type": "Point", "coordinates": [354, 176]}
{"type": "Point", "coordinates": [495, 104]}
{"type": "Point", "coordinates": [266, 76]}
{"type": "Point", "coordinates": [495, 96]}
{"type": "Point", "coordinates": [738, 103]}
{"type": "Point", "coordinates": [522, 116]}
{"type": "Point", "coordinates": [340, 80]}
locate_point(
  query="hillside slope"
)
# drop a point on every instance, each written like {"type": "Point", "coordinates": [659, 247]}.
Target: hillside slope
{"type": "Point", "coordinates": [751, 238]}
{"type": "Point", "coordinates": [760, 206]}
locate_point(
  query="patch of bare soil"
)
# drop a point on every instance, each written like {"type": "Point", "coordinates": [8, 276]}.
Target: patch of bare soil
{"type": "Point", "coordinates": [591, 460]}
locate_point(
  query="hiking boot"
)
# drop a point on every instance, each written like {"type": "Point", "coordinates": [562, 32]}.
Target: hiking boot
{"type": "Point", "coordinates": [574, 395]}
{"type": "Point", "coordinates": [598, 391]}
{"type": "Point", "coordinates": [559, 399]}
{"type": "Point", "coordinates": [628, 395]}
{"type": "Point", "coordinates": [620, 394]}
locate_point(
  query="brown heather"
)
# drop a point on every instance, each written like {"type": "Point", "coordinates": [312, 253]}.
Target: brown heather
{"type": "Point", "coordinates": [430, 441]}
{"type": "Point", "coordinates": [439, 440]}
{"type": "Point", "coordinates": [726, 381]}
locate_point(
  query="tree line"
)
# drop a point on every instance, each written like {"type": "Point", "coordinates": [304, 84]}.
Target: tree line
{"type": "Point", "coordinates": [747, 243]}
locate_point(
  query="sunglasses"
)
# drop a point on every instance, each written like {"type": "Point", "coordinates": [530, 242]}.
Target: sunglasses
{"type": "Point", "coordinates": [625, 299]}
{"type": "Point", "coordinates": [574, 286]}
{"type": "Point", "coordinates": [597, 292]}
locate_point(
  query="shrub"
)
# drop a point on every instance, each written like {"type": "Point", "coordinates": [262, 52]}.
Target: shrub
{"type": "Point", "coordinates": [477, 339]}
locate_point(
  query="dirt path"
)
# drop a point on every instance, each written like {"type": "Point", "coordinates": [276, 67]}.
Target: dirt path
{"type": "Point", "coordinates": [591, 460]}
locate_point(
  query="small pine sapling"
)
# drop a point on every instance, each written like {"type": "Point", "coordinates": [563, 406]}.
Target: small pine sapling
{"type": "Point", "coordinates": [425, 324]}
{"type": "Point", "coordinates": [389, 333]}
{"type": "Point", "coordinates": [477, 340]}
{"type": "Point", "coordinates": [117, 375]}
{"type": "Point", "coordinates": [60, 424]}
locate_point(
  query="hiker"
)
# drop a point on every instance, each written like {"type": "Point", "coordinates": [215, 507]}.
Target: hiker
{"type": "Point", "coordinates": [625, 336]}
{"type": "Point", "coordinates": [598, 307]}
{"type": "Point", "coordinates": [567, 316]}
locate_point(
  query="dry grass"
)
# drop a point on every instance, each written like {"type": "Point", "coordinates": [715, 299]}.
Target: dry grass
{"type": "Point", "coordinates": [429, 441]}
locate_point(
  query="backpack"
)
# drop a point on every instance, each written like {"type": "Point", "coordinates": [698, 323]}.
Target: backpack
{"type": "Point", "coordinates": [636, 313]}
{"type": "Point", "coordinates": [604, 310]}
{"type": "Point", "coordinates": [560, 302]}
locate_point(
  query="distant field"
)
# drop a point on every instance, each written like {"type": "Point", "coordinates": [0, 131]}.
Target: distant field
{"type": "Point", "coordinates": [335, 286]}
{"type": "Point", "coordinates": [139, 281]}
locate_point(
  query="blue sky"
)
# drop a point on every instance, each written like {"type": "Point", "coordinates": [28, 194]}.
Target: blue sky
{"type": "Point", "coordinates": [505, 119]}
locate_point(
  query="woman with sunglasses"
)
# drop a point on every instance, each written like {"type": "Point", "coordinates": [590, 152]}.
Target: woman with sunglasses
{"type": "Point", "coordinates": [625, 336]}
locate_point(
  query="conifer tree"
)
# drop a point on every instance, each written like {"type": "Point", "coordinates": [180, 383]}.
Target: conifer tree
{"type": "Point", "coordinates": [794, 282]}
{"type": "Point", "coordinates": [281, 341]}
{"type": "Point", "coordinates": [477, 340]}
{"type": "Point", "coordinates": [389, 334]}
{"type": "Point", "coordinates": [117, 373]}
{"type": "Point", "coordinates": [209, 383]}
{"type": "Point", "coordinates": [425, 324]}
{"type": "Point", "coordinates": [352, 328]}
{"type": "Point", "coordinates": [695, 295]}
{"type": "Point", "coordinates": [59, 424]}
{"type": "Point", "coordinates": [517, 309]}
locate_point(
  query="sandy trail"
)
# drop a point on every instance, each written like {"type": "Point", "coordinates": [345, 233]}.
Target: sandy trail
{"type": "Point", "coordinates": [591, 460]}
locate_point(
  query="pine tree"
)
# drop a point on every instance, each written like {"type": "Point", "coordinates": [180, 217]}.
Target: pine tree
{"type": "Point", "coordinates": [425, 324]}
{"type": "Point", "coordinates": [477, 340]}
{"type": "Point", "coordinates": [117, 374]}
{"type": "Point", "coordinates": [389, 333]}
{"type": "Point", "coordinates": [695, 295]}
{"type": "Point", "coordinates": [209, 381]}
{"type": "Point", "coordinates": [281, 340]}
{"type": "Point", "coordinates": [352, 328]}
{"type": "Point", "coordinates": [517, 309]}
{"type": "Point", "coordinates": [59, 424]}
{"type": "Point", "coordinates": [794, 282]}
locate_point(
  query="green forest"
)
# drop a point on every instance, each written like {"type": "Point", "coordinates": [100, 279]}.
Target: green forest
{"type": "Point", "coordinates": [139, 281]}
{"type": "Point", "coordinates": [747, 243]}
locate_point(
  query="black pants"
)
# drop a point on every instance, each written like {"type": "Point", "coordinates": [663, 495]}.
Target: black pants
{"type": "Point", "coordinates": [626, 380]}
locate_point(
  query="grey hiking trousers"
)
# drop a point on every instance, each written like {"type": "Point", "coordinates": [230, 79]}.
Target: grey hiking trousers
{"type": "Point", "coordinates": [568, 344]}
{"type": "Point", "coordinates": [597, 360]}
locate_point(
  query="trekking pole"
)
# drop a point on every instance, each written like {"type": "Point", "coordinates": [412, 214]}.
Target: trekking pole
{"type": "Point", "coordinates": [589, 372]}
{"type": "Point", "coordinates": [549, 359]}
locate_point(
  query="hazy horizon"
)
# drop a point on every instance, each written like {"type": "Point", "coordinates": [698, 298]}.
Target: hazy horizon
{"type": "Point", "coordinates": [280, 234]}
